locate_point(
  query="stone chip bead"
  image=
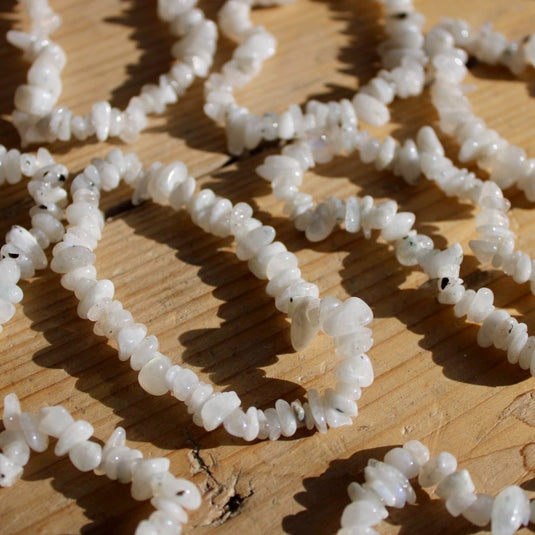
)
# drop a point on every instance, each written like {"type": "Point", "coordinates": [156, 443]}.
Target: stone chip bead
{"type": "Point", "coordinates": [75, 433]}
{"type": "Point", "coordinates": [436, 469]}
{"type": "Point", "coordinates": [510, 510]}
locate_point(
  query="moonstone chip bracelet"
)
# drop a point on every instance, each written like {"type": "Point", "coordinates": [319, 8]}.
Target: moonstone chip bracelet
{"type": "Point", "coordinates": [310, 135]}
{"type": "Point", "coordinates": [387, 484]}
{"type": "Point", "coordinates": [345, 322]}
{"type": "Point", "coordinates": [150, 479]}
{"type": "Point", "coordinates": [39, 120]}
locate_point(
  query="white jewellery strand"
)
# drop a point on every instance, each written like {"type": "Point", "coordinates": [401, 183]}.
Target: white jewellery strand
{"type": "Point", "coordinates": [507, 164]}
{"type": "Point", "coordinates": [39, 120]}
{"type": "Point", "coordinates": [387, 483]}
{"type": "Point", "coordinates": [150, 479]}
{"type": "Point", "coordinates": [267, 259]}
{"type": "Point", "coordinates": [401, 54]}
{"type": "Point", "coordinates": [425, 155]}
{"type": "Point", "coordinates": [23, 252]}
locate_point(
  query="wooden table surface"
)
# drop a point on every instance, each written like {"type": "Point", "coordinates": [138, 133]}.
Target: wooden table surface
{"type": "Point", "coordinates": [433, 383]}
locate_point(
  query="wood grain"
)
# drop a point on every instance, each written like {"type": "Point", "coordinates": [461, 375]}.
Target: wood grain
{"type": "Point", "coordinates": [433, 382]}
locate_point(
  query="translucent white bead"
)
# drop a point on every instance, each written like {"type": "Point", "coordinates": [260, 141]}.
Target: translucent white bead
{"type": "Point", "coordinates": [9, 471]}
{"type": "Point", "coordinates": [20, 237]}
{"type": "Point", "coordinates": [143, 470]}
{"type": "Point", "coordinates": [217, 408]}
{"type": "Point", "coordinates": [352, 215]}
{"type": "Point", "coordinates": [399, 226]}
{"type": "Point", "coordinates": [389, 483]}
{"type": "Point", "coordinates": [509, 511]}
{"type": "Point", "coordinates": [54, 420]}
{"type": "Point", "coordinates": [516, 344]}
{"type": "Point", "coordinates": [152, 375]}
{"type": "Point", "coordinates": [253, 242]}
{"type": "Point", "coordinates": [357, 492]}
{"type": "Point", "coordinates": [450, 290]}
{"type": "Point", "coordinates": [317, 412]}
{"type": "Point", "coordinates": [101, 290]}
{"type": "Point", "coordinates": [14, 447]}
{"type": "Point", "coordinates": [219, 222]}
{"type": "Point", "coordinates": [182, 193]}
{"type": "Point", "coordinates": [72, 258]}
{"type": "Point", "coordinates": [12, 412]}
{"type": "Point", "coordinates": [145, 527]}
{"type": "Point", "coordinates": [305, 322]}
{"type": "Point", "coordinates": [458, 482]}
{"type": "Point", "coordinates": [370, 110]}
{"type": "Point", "coordinates": [436, 469]}
{"type": "Point", "coordinates": [385, 154]}
{"type": "Point", "coordinates": [198, 397]}
{"type": "Point", "coordinates": [258, 264]}
{"type": "Point", "coordinates": [129, 338]}
{"type": "Point", "coordinates": [253, 424]}
{"type": "Point", "coordinates": [86, 455]}
{"type": "Point", "coordinates": [481, 306]}
{"type": "Point", "coordinates": [527, 354]}
{"type": "Point", "coordinates": [349, 317]}
{"type": "Point", "coordinates": [7, 310]}
{"type": "Point", "coordinates": [9, 271]}
{"type": "Point", "coordinates": [287, 418]}
{"type": "Point", "coordinates": [164, 524]}
{"type": "Point", "coordinates": [29, 426]}
{"type": "Point", "coordinates": [282, 280]}
{"type": "Point", "coordinates": [362, 513]}
{"type": "Point", "coordinates": [357, 370]}
{"type": "Point", "coordinates": [33, 100]}
{"type": "Point", "coordinates": [479, 512]}
{"type": "Point", "coordinates": [117, 463]}
{"type": "Point", "coordinates": [273, 424]}
{"type": "Point", "coordinates": [78, 431]}
{"type": "Point", "coordinates": [321, 223]}
{"type": "Point", "coordinates": [353, 344]}
{"type": "Point", "coordinates": [402, 459]}
{"type": "Point", "coordinates": [419, 452]}
{"type": "Point", "coordinates": [438, 264]}
{"type": "Point", "coordinates": [184, 383]}
{"type": "Point", "coordinates": [340, 403]}
{"type": "Point", "coordinates": [428, 141]}
{"type": "Point", "coordinates": [170, 507]}
{"type": "Point", "coordinates": [299, 289]}
{"type": "Point", "coordinates": [184, 492]}
{"type": "Point", "coordinates": [236, 423]}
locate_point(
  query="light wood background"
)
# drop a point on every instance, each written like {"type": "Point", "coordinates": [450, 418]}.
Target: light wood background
{"type": "Point", "coordinates": [433, 382]}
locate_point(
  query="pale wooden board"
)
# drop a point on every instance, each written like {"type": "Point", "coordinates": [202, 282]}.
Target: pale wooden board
{"type": "Point", "coordinates": [433, 382]}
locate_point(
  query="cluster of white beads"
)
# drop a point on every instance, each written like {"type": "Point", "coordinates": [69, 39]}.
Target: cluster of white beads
{"type": "Point", "coordinates": [23, 252]}
{"type": "Point", "coordinates": [507, 164]}
{"type": "Point", "coordinates": [36, 116]}
{"type": "Point", "coordinates": [150, 479]}
{"type": "Point", "coordinates": [387, 485]}
{"type": "Point", "coordinates": [405, 60]}
{"type": "Point", "coordinates": [268, 259]}
{"type": "Point", "coordinates": [497, 242]}
{"type": "Point", "coordinates": [285, 172]}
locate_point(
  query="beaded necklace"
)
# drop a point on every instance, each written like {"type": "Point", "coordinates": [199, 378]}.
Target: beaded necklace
{"type": "Point", "coordinates": [73, 258]}
{"type": "Point", "coordinates": [36, 116]}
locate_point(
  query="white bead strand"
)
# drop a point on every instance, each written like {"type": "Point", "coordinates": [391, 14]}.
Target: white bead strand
{"type": "Point", "coordinates": [150, 478]}
{"type": "Point", "coordinates": [387, 485]}
{"type": "Point", "coordinates": [39, 120]}
{"type": "Point", "coordinates": [268, 259]}
{"type": "Point", "coordinates": [507, 164]}
{"type": "Point", "coordinates": [23, 252]}
{"type": "Point", "coordinates": [402, 54]}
